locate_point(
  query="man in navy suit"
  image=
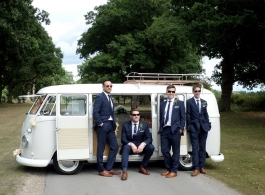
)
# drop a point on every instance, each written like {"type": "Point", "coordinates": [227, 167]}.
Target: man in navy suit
{"type": "Point", "coordinates": [105, 126]}
{"type": "Point", "coordinates": [136, 139]}
{"type": "Point", "coordinates": [198, 125]}
{"type": "Point", "coordinates": [172, 122]}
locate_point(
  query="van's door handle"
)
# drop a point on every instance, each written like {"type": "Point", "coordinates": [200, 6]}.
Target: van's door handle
{"type": "Point", "coordinates": [57, 129]}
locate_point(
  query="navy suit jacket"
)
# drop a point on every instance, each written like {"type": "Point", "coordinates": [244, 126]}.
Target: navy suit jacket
{"type": "Point", "coordinates": [195, 120]}
{"type": "Point", "coordinates": [177, 117]}
{"type": "Point", "coordinates": [103, 110]}
{"type": "Point", "coordinates": [143, 134]}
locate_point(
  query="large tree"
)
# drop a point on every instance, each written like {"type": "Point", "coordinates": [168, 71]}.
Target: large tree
{"type": "Point", "coordinates": [134, 36]}
{"type": "Point", "coordinates": [232, 30]}
{"type": "Point", "coordinates": [27, 53]}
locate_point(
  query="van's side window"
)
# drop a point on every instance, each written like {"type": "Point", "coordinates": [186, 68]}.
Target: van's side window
{"type": "Point", "coordinates": [73, 105]}
{"type": "Point", "coordinates": [49, 108]}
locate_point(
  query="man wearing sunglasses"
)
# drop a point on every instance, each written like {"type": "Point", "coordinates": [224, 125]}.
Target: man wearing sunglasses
{"type": "Point", "coordinates": [136, 139]}
{"type": "Point", "coordinates": [198, 125]}
{"type": "Point", "coordinates": [172, 122]}
{"type": "Point", "coordinates": [105, 125]}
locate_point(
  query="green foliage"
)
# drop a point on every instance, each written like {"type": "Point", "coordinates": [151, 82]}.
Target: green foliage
{"type": "Point", "coordinates": [217, 95]}
{"type": "Point", "coordinates": [230, 30]}
{"type": "Point", "coordinates": [140, 37]}
{"type": "Point", "coordinates": [253, 101]}
{"type": "Point", "coordinates": [4, 94]}
{"type": "Point", "coordinates": [121, 110]}
{"type": "Point", "coordinates": [27, 53]}
{"type": "Point", "coordinates": [244, 101]}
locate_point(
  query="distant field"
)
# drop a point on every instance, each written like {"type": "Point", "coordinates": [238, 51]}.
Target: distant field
{"type": "Point", "coordinates": [243, 145]}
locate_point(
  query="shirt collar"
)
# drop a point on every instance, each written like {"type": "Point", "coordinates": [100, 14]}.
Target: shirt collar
{"type": "Point", "coordinates": [196, 99]}
{"type": "Point", "coordinates": [135, 123]}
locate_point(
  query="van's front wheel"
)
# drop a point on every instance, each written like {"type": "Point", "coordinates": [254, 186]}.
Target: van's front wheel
{"type": "Point", "coordinates": [185, 162]}
{"type": "Point", "coordinates": [67, 167]}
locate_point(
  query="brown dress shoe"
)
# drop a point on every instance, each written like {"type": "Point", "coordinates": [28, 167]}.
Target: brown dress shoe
{"type": "Point", "coordinates": [195, 173]}
{"type": "Point", "coordinates": [171, 174]}
{"type": "Point", "coordinates": [143, 171]}
{"type": "Point", "coordinates": [105, 174]}
{"type": "Point", "coordinates": [203, 171]}
{"type": "Point", "coordinates": [112, 172]}
{"type": "Point", "coordinates": [165, 173]}
{"type": "Point", "coordinates": [124, 175]}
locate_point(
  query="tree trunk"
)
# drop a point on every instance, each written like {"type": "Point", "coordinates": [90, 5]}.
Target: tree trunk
{"type": "Point", "coordinates": [227, 85]}
{"type": "Point", "coordinates": [10, 94]}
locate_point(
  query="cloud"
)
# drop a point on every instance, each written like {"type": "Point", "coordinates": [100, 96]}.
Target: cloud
{"type": "Point", "coordinates": [67, 23]}
{"type": "Point", "coordinates": [72, 68]}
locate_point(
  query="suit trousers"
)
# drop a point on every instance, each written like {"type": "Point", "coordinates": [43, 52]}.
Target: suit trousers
{"type": "Point", "coordinates": [127, 150]}
{"type": "Point", "coordinates": [106, 134]}
{"type": "Point", "coordinates": [168, 140]}
{"type": "Point", "coordinates": [198, 142]}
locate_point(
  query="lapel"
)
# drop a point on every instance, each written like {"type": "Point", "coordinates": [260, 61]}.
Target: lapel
{"type": "Point", "coordinates": [107, 100]}
{"type": "Point", "coordinates": [164, 107]}
{"type": "Point", "coordinates": [194, 103]}
{"type": "Point", "coordinates": [130, 128]}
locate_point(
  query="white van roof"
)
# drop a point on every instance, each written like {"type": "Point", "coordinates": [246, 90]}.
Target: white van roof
{"type": "Point", "coordinates": [118, 88]}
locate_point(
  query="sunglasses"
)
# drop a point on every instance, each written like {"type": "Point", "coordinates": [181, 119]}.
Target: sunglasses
{"type": "Point", "coordinates": [135, 114]}
{"type": "Point", "coordinates": [197, 91]}
{"type": "Point", "coordinates": [108, 86]}
{"type": "Point", "coordinates": [171, 91]}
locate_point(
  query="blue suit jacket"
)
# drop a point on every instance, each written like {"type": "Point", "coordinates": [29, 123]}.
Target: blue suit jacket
{"type": "Point", "coordinates": [102, 110]}
{"type": "Point", "coordinates": [143, 134]}
{"type": "Point", "coordinates": [177, 117]}
{"type": "Point", "coordinates": [195, 120]}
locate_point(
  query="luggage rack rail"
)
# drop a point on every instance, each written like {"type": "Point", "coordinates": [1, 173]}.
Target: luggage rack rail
{"type": "Point", "coordinates": [164, 78]}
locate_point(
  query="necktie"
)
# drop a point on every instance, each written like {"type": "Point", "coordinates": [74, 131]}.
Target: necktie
{"type": "Point", "coordinates": [134, 130]}
{"type": "Point", "coordinates": [110, 101]}
{"type": "Point", "coordinates": [167, 116]}
{"type": "Point", "coordinates": [198, 105]}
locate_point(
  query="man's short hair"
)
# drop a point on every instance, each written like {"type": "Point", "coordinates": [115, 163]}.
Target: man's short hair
{"type": "Point", "coordinates": [171, 86]}
{"type": "Point", "coordinates": [105, 81]}
{"type": "Point", "coordinates": [195, 86]}
{"type": "Point", "coordinates": [134, 109]}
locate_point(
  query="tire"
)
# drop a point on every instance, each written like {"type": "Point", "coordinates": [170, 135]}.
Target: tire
{"type": "Point", "coordinates": [185, 163]}
{"type": "Point", "coordinates": [67, 167]}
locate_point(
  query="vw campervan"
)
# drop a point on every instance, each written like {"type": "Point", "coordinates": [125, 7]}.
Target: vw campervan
{"type": "Point", "coordinates": [59, 124]}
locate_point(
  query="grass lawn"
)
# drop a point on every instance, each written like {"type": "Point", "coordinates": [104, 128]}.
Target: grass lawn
{"type": "Point", "coordinates": [243, 145]}
{"type": "Point", "coordinates": [11, 173]}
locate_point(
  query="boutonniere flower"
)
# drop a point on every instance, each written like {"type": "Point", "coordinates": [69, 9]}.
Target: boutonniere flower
{"type": "Point", "coordinates": [140, 126]}
{"type": "Point", "coordinates": [175, 101]}
{"type": "Point", "coordinates": [204, 104]}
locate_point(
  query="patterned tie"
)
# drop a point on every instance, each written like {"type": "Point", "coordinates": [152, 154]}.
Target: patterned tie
{"type": "Point", "coordinates": [167, 116]}
{"type": "Point", "coordinates": [110, 101]}
{"type": "Point", "coordinates": [134, 130]}
{"type": "Point", "coordinates": [198, 105]}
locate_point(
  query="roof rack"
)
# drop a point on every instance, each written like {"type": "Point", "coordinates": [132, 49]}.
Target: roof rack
{"type": "Point", "coordinates": [163, 78]}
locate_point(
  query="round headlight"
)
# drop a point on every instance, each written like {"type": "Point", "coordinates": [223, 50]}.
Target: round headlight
{"type": "Point", "coordinates": [29, 130]}
{"type": "Point", "coordinates": [25, 141]}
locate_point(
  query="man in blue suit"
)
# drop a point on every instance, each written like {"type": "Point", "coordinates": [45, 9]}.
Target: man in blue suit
{"type": "Point", "coordinates": [136, 139]}
{"type": "Point", "coordinates": [105, 126]}
{"type": "Point", "coordinates": [198, 125]}
{"type": "Point", "coordinates": [172, 122]}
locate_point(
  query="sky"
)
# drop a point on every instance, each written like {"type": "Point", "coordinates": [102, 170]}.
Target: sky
{"type": "Point", "coordinates": [68, 24]}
